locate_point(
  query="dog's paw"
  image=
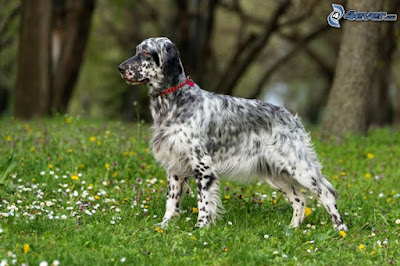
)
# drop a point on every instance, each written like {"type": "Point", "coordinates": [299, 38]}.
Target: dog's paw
{"type": "Point", "coordinates": [341, 227]}
{"type": "Point", "coordinates": [163, 224]}
{"type": "Point", "coordinates": [201, 225]}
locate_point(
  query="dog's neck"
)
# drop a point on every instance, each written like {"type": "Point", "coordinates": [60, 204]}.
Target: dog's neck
{"type": "Point", "coordinates": [161, 104]}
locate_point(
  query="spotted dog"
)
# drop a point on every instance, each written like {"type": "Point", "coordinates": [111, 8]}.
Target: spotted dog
{"type": "Point", "coordinates": [203, 134]}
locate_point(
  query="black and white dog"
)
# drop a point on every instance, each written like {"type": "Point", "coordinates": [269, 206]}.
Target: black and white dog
{"type": "Point", "coordinates": [203, 134]}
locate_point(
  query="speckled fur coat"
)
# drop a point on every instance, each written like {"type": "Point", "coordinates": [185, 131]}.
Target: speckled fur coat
{"type": "Point", "coordinates": [204, 135]}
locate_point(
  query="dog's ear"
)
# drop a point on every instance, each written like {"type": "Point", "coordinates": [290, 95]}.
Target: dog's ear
{"type": "Point", "coordinates": [156, 59]}
{"type": "Point", "coordinates": [171, 64]}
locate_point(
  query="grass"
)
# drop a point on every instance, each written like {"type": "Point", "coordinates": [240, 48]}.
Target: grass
{"type": "Point", "coordinates": [90, 193]}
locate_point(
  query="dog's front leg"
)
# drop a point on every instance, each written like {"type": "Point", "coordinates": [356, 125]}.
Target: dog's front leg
{"type": "Point", "coordinates": [174, 197]}
{"type": "Point", "coordinates": [208, 191]}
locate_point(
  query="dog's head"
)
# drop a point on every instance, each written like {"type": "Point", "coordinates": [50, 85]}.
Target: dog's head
{"type": "Point", "coordinates": [156, 62]}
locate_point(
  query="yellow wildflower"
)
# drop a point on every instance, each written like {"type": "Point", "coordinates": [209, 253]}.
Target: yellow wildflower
{"type": "Point", "coordinates": [195, 210]}
{"type": "Point", "coordinates": [107, 166]}
{"type": "Point", "coordinates": [308, 211]}
{"type": "Point", "coordinates": [335, 177]}
{"type": "Point", "coordinates": [342, 233]}
{"type": "Point", "coordinates": [115, 174]}
{"type": "Point", "coordinates": [26, 248]}
{"type": "Point", "coordinates": [69, 150]}
{"type": "Point", "coordinates": [341, 161]}
{"type": "Point", "coordinates": [75, 177]}
{"type": "Point", "coordinates": [68, 120]}
{"type": "Point", "coordinates": [32, 149]}
{"type": "Point", "coordinates": [96, 197]}
{"type": "Point", "coordinates": [361, 247]}
{"type": "Point", "coordinates": [370, 156]}
{"type": "Point", "coordinates": [367, 175]}
{"type": "Point", "coordinates": [227, 197]}
{"type": "Point", "coordinates": [81, 165]}
{"type": "Point", "coordinates": [8, 138]}
{"type": "Point", "coordinates": [125, 153]}
{"type": "Point", "coordinates": [50, 166]}
{"type": "Point", "coordinates": [146, 150]}
{"type": "Point", "coordinates": [98, 143]}
{"type": "Point", "coordinates": [373, 253]}
{"type": "Point", "coordinates": [92, 139]}
{"type": "Point", "coordinates": [132, 153]}
{"type": "Point", "coordinates": [343, 173]}
{"type": "Point", "coordinates": [192, 237]}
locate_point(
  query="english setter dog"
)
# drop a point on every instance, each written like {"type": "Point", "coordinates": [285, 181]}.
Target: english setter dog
{"type": "Point", "coordinates": [203, 134]}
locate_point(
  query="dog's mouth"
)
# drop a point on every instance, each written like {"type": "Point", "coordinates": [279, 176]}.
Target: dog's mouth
{"type": "Point", "coordinates": [136, 82]}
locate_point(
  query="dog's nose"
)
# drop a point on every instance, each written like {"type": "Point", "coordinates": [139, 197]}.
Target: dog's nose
{"type": "Point", "coordinates": [121, 69]}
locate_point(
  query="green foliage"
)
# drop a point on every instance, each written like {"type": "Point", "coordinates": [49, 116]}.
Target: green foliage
{"type": "Point", "coordinates": [90, 193]}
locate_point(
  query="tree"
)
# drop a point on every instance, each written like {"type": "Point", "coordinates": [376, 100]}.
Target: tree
{"type": "Point", "coordinates": [33, 77]}
{"type": "Point", "coordinates": [69, 37]}
{"type": "Point", "coordinates": [348, 103]}
{"type": "Point", "coordinates": [50, 54]}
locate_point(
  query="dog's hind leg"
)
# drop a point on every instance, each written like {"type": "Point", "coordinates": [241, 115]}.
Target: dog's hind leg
{"type": "Point", "coordinates": [295, 196]}
{"type": "Point", "coordinates": [176, 186]}
{"type": "Point", "coordinates": [311, 178]}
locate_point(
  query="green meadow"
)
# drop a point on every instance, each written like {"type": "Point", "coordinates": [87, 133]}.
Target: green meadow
{"type": "Point", "coordinates": [82, 192]}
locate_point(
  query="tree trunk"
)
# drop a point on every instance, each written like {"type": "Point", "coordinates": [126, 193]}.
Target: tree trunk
{"type": "Point", "coordinates": [347, 108]}
{"type": "Point", "coordinates": [33, 77]}
{"type": "Point", "coordinates": [71, 30]}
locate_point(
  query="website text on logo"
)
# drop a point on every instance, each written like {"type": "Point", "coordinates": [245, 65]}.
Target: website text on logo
{"type": "Point", "coordinates": [352, 15]}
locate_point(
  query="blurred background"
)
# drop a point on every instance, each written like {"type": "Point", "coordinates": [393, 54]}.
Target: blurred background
{"type": "Point", "coordinates": [61, 56]}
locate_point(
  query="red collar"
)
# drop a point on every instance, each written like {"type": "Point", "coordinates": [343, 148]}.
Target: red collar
{"type": "Point", "coordinates": [187, 81]}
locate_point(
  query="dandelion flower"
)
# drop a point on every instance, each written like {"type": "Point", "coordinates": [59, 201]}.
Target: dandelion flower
{"type": "Point", "coordinates": [68, 120]}
{"type": "Point", "coordinates": [69, 150]}
{"type": "Point", "coordinates": [8, 138]}
{"type": "Point", "coordinates": [361, 247]}
{"type": "Point", "coordinates": [195, 210]}
{"type": "Point", "coordinates": [92, 139]}
{"type": "Point", "coordinates": [107, 165]}
{"type": "Point", "coordinates": [26, 248]}
{"type": "Point", "coordinates": [342, 233]}
{"type": "Point", "coordinates": [227, 197]}
{"type": "Point", "coordinates": [367, 175]}
{"type": "Point", "coordinates": [370, 156]}
{"type": "Point", "coordinates": [308, 211]}
{"type": "Point", "coordinates": [32, 149]}
{"type": "Point", "coordinates": [75, 177]}
{"type": "Point", "coordinates": [224, 249]}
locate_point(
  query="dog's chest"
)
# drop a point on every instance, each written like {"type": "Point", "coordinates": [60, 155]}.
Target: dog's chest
{"type": "Point", "coordinates": [170, 146]}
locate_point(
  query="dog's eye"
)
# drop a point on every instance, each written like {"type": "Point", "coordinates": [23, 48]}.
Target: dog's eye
{"type": "Point", "coordinates": [145, 52]}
